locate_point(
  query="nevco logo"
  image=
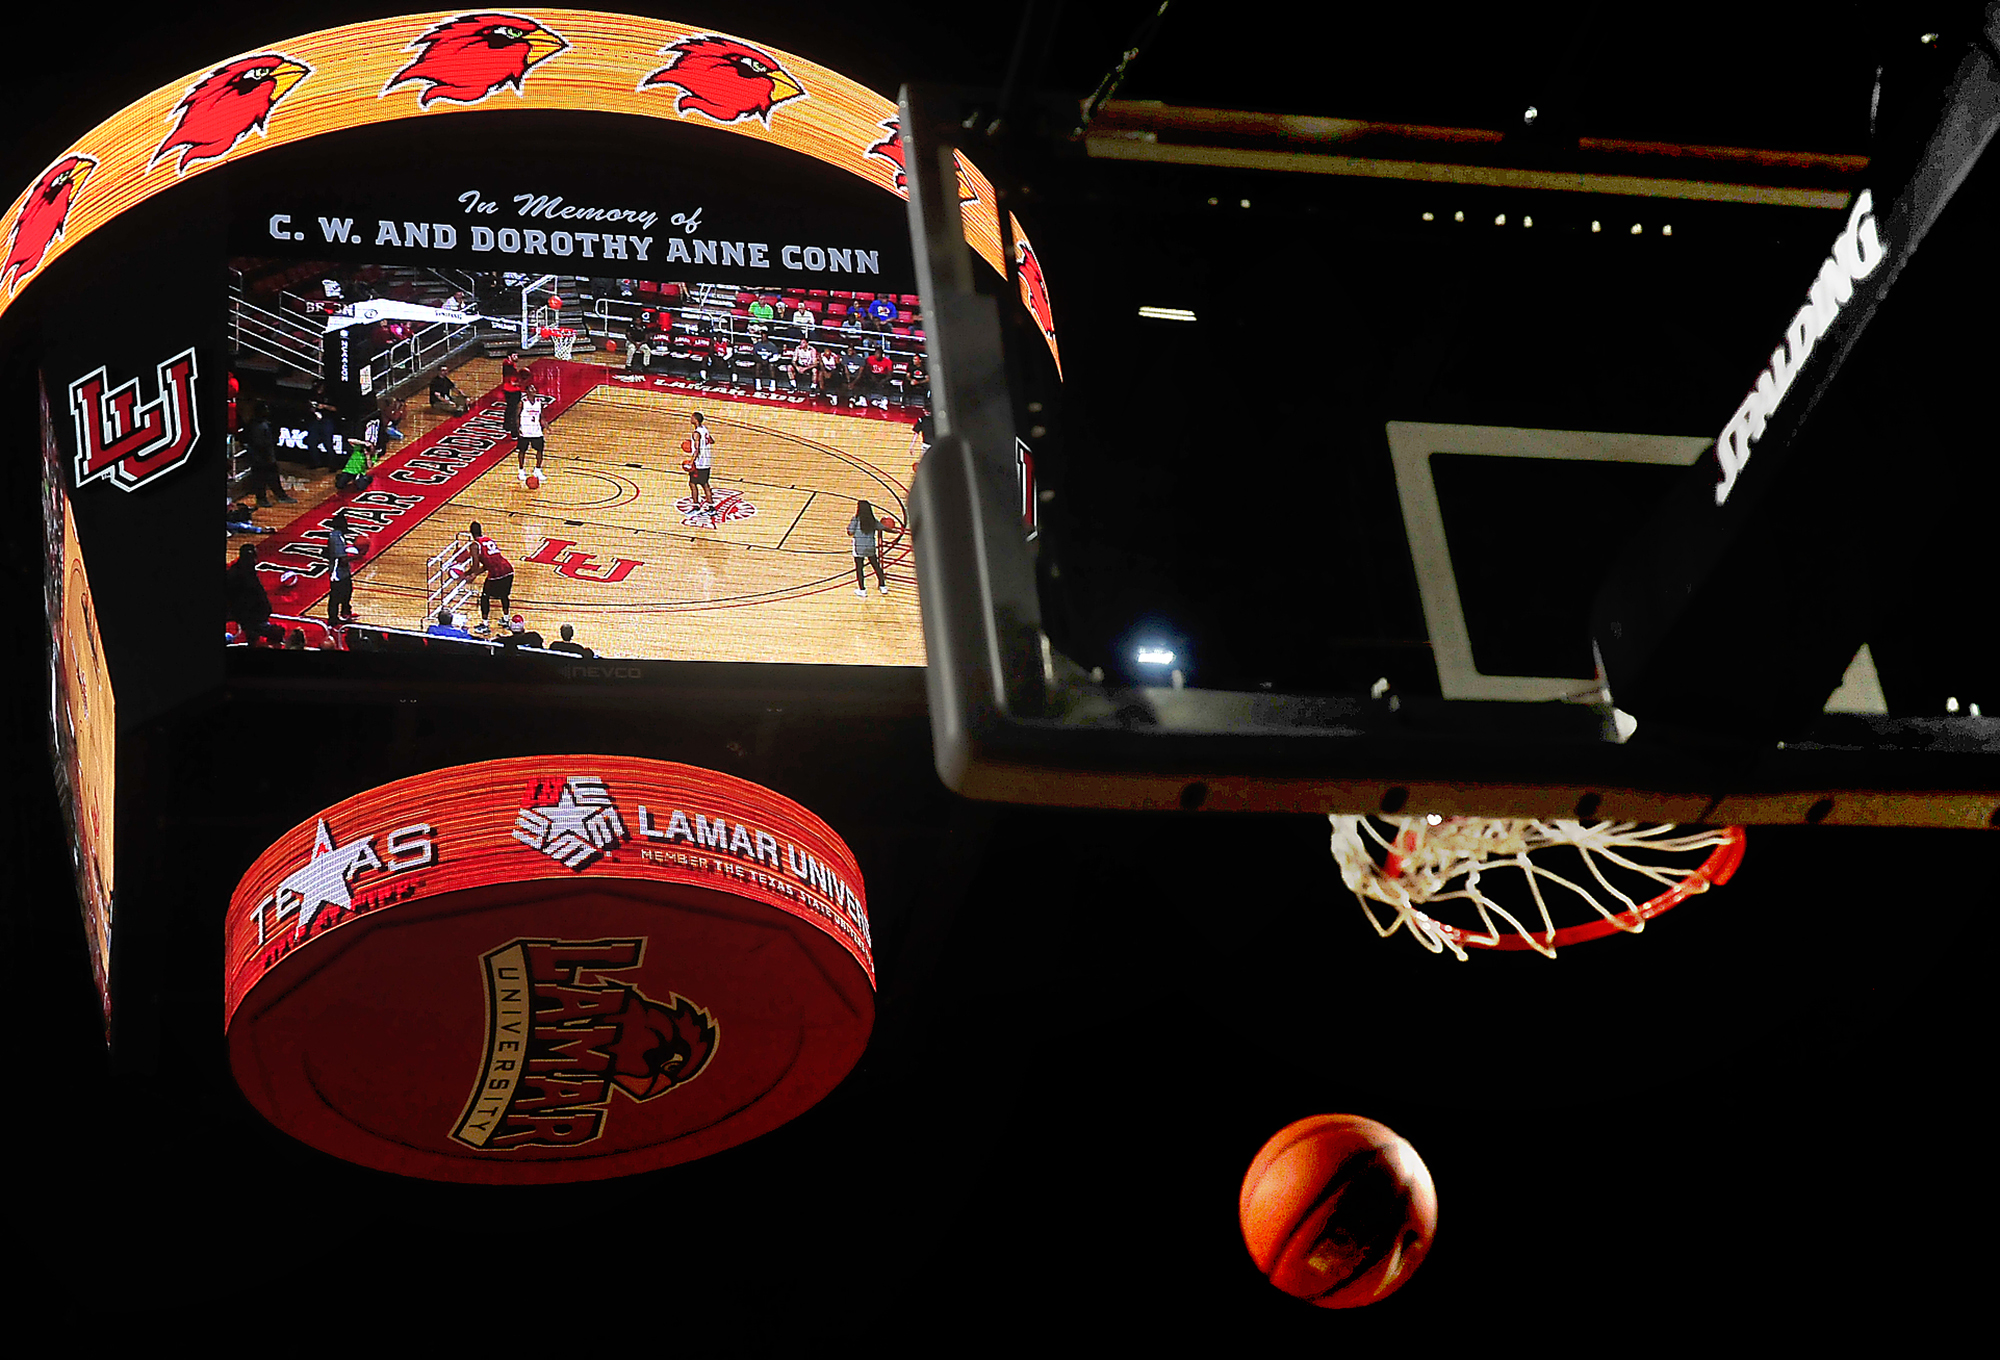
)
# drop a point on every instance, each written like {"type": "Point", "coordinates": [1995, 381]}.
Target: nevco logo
{"type": "Point", "coordinates": [129, 441]}
{"type": "Point", "coordinates": [598, 672]}
{"type": "Point", "coordinates": [1856, 252]}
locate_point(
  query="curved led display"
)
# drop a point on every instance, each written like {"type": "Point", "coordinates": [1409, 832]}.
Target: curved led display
{"type": "Point", "coordinates": [466, 61]}
{"type": "Point", "coordinates": [547, 968]}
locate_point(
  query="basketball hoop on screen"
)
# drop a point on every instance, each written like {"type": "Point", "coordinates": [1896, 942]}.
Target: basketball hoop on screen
{"type": "Point", "coordinates": [1439, 875]}
{"type": "Point", "coordinates": [562, 338]}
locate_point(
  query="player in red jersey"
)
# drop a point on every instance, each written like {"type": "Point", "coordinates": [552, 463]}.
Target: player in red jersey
{"type": "Point", "coordinates": [499, 572]}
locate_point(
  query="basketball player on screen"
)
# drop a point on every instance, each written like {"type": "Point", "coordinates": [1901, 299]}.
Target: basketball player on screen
{"type": "Point", "coordinates": [528, 431]}
{"type": "Point", "coordinates": [703, 448]}
{"type": "Point", "coordinates": [488, 559]}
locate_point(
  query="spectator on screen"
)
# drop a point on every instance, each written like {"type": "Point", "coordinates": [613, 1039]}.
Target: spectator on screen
{"type": "Point", "coordinates": [518, 635]}
{"type": "Point", "coordinates": [446, 626]}
{"type": "Point", "coordinates": [571, 645]}
{"type": "Point", "coordinates": [262, 447]}
{"type": "Point", "coordinates": [246, 601]}
{"type": "Point", "coordinates": [236, 518]}
{"type": "Point", "coordinates": [446, 393]}
{"type": "Point", "coordinates": [854, 378]}
{"type": "Point", "coordinates": [803, 371]}
{"type": "Point", "coordinates": [881, 369]}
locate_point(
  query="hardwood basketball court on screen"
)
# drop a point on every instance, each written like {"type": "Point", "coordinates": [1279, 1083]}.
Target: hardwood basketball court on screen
{"type": "Point", "coordinates": [610, 543]}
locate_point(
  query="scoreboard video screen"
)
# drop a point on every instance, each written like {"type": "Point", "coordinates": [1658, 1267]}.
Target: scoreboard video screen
{"type": "Point", "coordinates": [627, 372]}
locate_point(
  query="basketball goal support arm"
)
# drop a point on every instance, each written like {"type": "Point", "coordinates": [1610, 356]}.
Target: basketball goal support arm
{"type": "Point", "coordinates": [1733, 614]}
{"type": "Point", "coordinates": [1013, 720]}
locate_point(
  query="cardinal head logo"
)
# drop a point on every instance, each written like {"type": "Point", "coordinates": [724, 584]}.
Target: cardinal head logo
{"type": "Point", "coordinates": [890, 149]}
{"type": "Point", "coordinates": [724, 79]}
{"type": "Point", "coordinates": [227, 105]}
{"type": "Point", "coordinates": [468, 58]}
{"type": "Point", "coordinates": [44, 214]}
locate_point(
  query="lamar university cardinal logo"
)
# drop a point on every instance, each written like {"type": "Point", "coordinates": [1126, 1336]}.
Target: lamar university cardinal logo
{"type": "Point", "coordinates": [562, 1035]}
{"type": "Point", "coordinates": [129, 441]}
{"type": "Point", "coordinates": [1035, 289]}
{"type": "Point", "coordinates": [468, 58]}
{"type": "Point", "coordinates": [890, 149]}
{"type": "Point", "coordinates": [42, 217]}
{"type": "Point", "coordinates": [725, 79]}
{"type": "Point", "coordinates": [231, 103]}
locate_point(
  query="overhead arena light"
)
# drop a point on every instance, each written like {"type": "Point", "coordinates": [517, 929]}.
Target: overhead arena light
{"type": "Point", "coordinates": [1155, 656]}
{"type": "Point", "coordinates": [1166, 314]}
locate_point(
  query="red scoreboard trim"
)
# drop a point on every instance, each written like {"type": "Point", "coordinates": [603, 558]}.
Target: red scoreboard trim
{"type": "Point", "coordinates": [547, 968]}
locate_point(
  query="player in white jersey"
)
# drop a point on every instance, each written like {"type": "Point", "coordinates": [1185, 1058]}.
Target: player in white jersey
{"type": "Point", "coordinates": [701, 445]}
{"type": "Point", "coordinates": [530, 432]}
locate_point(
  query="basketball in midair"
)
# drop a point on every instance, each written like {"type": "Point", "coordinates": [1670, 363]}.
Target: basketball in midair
{"type": "Point", "coordinates": [687, 446]}
{"type": "Point", "coordinates": [534, 481]}
{"type": "Point", "coordinates": [1338, 1210]}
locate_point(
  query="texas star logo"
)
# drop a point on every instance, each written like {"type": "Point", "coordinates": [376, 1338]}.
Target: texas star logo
{"type": "Point", "coordinates": [475, 55]}
{"type": "Point", "coordinates": [572, 820]}
{"type": "Point", "coordinates": [323, 887]}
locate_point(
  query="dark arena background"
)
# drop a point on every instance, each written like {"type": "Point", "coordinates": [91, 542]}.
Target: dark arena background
{"type": "Point", "coordinates": [1751, 1121]}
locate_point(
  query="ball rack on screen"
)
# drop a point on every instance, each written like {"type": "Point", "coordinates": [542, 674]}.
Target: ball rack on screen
{"type": "Point", "coordinates": [1272, 533]}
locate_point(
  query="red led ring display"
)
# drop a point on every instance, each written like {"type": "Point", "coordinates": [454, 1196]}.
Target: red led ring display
{"type": "Point", "coordinates": [549, 968]}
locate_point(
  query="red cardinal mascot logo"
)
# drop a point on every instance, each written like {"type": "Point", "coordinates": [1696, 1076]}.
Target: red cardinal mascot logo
{"type": "Point", "coordinates": [468, 58]}
{"type": "Point", "coordinates": [890, 149]}
{"type": "Point", "coordinates": [1035, 293]}
{"type": "Point", "coordinates": [234, 101]}
{"type": "Point", "coordinates": [725, 79]}
{"type": "Point", "coordinates": [42, 216]}
{"type": "Point", "coordinates": [658, 1047]}
{"type": "Point", "coordinates": [1034, 288]}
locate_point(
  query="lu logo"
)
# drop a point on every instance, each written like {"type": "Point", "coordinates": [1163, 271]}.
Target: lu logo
{"type": "Point", "coordinates": [129, 441]}
{"type": "Point", "coordinates": [582, 566]}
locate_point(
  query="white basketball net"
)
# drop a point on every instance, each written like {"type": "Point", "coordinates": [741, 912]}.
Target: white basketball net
{"type": "Point", "coordinates": [565, 343]}
{"type": "Point", "coordinates": [1427, 860]}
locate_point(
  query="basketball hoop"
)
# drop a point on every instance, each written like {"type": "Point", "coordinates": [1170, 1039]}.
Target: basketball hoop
{"type": "Point", "coordinates": [564, 339]}
{"type": "Point", "coordinates": [1424, 861]}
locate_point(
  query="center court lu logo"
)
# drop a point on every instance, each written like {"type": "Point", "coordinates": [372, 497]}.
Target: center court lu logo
{"type": "Point", "coordinates": [728, 508]}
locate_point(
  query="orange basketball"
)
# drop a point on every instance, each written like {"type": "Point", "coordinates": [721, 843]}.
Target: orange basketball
{"type": "Point", "coordinates": [1338, 1210]}
{"type": "Point", "coordinates": [687, 446]}
{"type": "Point", "coordinates": [687, 465]}
{"type": "Point", "coordinates": [359, 543]}
{"type": "Point", "coordinates": [534, 481]}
